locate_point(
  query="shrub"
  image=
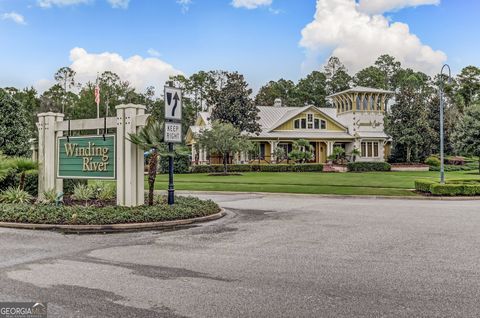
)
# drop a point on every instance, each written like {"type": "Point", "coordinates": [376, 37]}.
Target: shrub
{"type": "Point", "coordinates": [49, 196]}
{"type": "Point", "coordinates": [181, 164]}
{"type": "Point", "coordinates": [83, 192]}
{"type": "Point", "coordinates": [184, 208]}
{"type": "Point", "coordinates": [15, 195]}
{"type": "Point", "coordinates": [259, 168]}
{"type": "Point", "coordinates": [106, 191]}
{"type": "Point", "coordinates": [451, 188]}
{"type": "Point", "coordinates": [69, 184]}
{"type": "Point", "coordinates": [432, 161]}
{"type": "Point", "coordinates": [368, 166]}
{"type": "Point", "coordinates": [423, 185]}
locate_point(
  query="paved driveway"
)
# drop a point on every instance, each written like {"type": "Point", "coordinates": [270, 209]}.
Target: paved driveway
{"type": "Point", "coordinates": [273, 256]}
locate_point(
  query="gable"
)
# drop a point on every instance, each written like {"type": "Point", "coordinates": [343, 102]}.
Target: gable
{"type": "Point", "coordinates": [331, 124]}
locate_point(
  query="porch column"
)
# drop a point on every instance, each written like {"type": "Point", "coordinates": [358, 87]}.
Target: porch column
{"type": "Point", "coordinates": [273, 145]}
{"type": "Point", "coordinates": [330, 148]}
{"type": "Point", "coordinates": [194, 152]}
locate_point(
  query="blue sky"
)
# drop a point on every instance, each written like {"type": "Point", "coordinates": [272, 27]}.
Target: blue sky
{"type": "Point", "coordinates": [264, 43]}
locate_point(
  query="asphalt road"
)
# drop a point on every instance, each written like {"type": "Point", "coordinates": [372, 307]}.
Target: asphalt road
{"type": "Point", "coordinates": [272, 256]}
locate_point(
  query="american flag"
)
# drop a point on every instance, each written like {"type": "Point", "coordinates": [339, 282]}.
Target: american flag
{"type": "Point", "coordinates": [97, 95]}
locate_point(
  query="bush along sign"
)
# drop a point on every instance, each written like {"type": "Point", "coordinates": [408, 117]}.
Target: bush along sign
{"type": "Point", "coordinates": [86, 157]}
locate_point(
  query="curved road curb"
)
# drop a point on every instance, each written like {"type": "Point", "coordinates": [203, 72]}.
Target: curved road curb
{"type": "Point", "coordinates": [112, 228]}
{"type": "Point", "coordinates": [329, 196]}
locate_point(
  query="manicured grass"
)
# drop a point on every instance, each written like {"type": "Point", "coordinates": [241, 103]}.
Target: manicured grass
{"type": "Point", "coordinates": [367, 183]}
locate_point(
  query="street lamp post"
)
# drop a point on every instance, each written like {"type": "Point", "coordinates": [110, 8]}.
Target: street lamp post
{"type": "Point", "coordinates": [442, 155]}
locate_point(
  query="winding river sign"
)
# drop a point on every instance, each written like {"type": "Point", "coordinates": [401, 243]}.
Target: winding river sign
{"type": "Point", "coordinates": [86, 157]}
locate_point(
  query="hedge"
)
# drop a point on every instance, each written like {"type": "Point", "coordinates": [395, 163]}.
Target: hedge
{"type": "Point", "coordinates": [451, 188]}
{"type": "Point", "coordinates": [368, 166]}
{"type": "Point", "coordinates": [181, 164]}
{"type": "Point", "coordinates": [184, 208]}
{"type": "Point", "coordinates": [424, 185]}
{"type": "Point", "coordinates": [258, 168]}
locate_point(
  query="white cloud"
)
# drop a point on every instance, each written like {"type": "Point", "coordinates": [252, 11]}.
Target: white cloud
{"type": "Point", "coordinates": [381, 6]}
{"type": "Point", "coordinates": [250, 4]}
{"type": "Point", "coordinates": [138, 71]}
{"type": "Point", "coordinates": [43, 85]}
{"type": "Point", "coordinates": [185, 4]}
{"type": "Point", "coordinates": [15, 17]}
{"type": "Point", "coordinates": [60, 3]}
{"type": "Point", "coordinates": [153, 52]}
{"type": "Point", "coordinates": [122, 4]}
{"type": "Point", "coordinates": [358, 38]}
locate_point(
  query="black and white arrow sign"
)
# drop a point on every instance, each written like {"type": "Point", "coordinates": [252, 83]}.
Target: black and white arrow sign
{"type": "Point", "coordinates": [173, 103]}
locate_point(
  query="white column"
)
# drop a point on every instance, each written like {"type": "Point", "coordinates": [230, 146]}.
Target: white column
{"type": "Point", "coordinates": [130, 160]}
{"type": "Point", "coordinates": [194, 153]}
{"type": "Point", "coordinates": [273, 145]}
{"type": "Point", "coordinates": [47, 153]}
{"type": "Point", "coordinates": [330, 147]}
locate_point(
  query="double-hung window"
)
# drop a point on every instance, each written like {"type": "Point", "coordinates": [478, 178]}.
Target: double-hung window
{"type": "Point", "coordinates": [370, 149]}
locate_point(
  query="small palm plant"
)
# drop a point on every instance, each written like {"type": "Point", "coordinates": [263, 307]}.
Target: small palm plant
{"type": "Point", "coordinates": [151, 137]}
{"type": "Point", "coordinates": [23, 166]}
{"type": "Point", "coordinates": [355, 153]}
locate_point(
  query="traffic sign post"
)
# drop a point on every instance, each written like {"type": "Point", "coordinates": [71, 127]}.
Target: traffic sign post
{"type": "Point", "coordinates": [173, 130]}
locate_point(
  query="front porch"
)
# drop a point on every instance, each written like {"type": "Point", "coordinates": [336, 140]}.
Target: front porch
{"type": "Point", "coordinates": [266, 153]}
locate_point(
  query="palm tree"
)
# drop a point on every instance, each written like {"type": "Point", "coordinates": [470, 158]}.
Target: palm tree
{"type": "Point", "coordinates": [151, 138]}
{"type": "Point", "coordinates": [22, 165]}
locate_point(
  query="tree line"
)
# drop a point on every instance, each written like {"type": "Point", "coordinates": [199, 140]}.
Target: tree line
{"type": "Point", "coordinates": [413, 121]}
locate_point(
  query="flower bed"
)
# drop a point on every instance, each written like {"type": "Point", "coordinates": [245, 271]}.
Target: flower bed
{"type": "Point", "coordinates": [184, 208]}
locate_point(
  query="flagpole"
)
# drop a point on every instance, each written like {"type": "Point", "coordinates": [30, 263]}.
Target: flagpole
{"type": "Point", "coordinates": [97, 99]}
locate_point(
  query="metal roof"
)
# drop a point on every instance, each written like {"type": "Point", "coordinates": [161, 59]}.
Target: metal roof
{"type": "Point", "coordinates": [305, 134]}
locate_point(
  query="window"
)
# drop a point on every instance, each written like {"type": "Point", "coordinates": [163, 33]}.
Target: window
{"type": "Point", "coordinates": [370, 149]}
{"type": "Point", "coordinates": [358, 103]}
{"type": "Point", "coordinates": [309, 122]}
{"type": "Point", "coordinates": [365, 103]}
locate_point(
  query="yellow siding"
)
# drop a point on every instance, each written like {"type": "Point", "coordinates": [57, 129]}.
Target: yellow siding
{"type": "Point", "coordinates": [267, 151]}
{"type": "Point", "coordinates": [331, 125]}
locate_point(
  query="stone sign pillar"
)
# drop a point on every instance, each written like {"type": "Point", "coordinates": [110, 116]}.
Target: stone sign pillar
{"type": "Point", "coordinates": [47, 154]}
{"type": "Point", "coordinates": [130, 159]}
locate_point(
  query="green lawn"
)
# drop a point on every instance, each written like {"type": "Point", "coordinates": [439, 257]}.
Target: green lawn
{"type": "Point", "coordinates": [370, 183]}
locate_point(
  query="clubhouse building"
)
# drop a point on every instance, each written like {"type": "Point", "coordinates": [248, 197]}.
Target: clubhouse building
{"type": "Point", "coordinates": [354, 121]}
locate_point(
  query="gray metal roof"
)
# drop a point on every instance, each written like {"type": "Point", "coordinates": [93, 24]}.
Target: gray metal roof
{"type": "Point", "coordinates": [305, 134]}
{"type": "Point", "coordinates": [361, 89]}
